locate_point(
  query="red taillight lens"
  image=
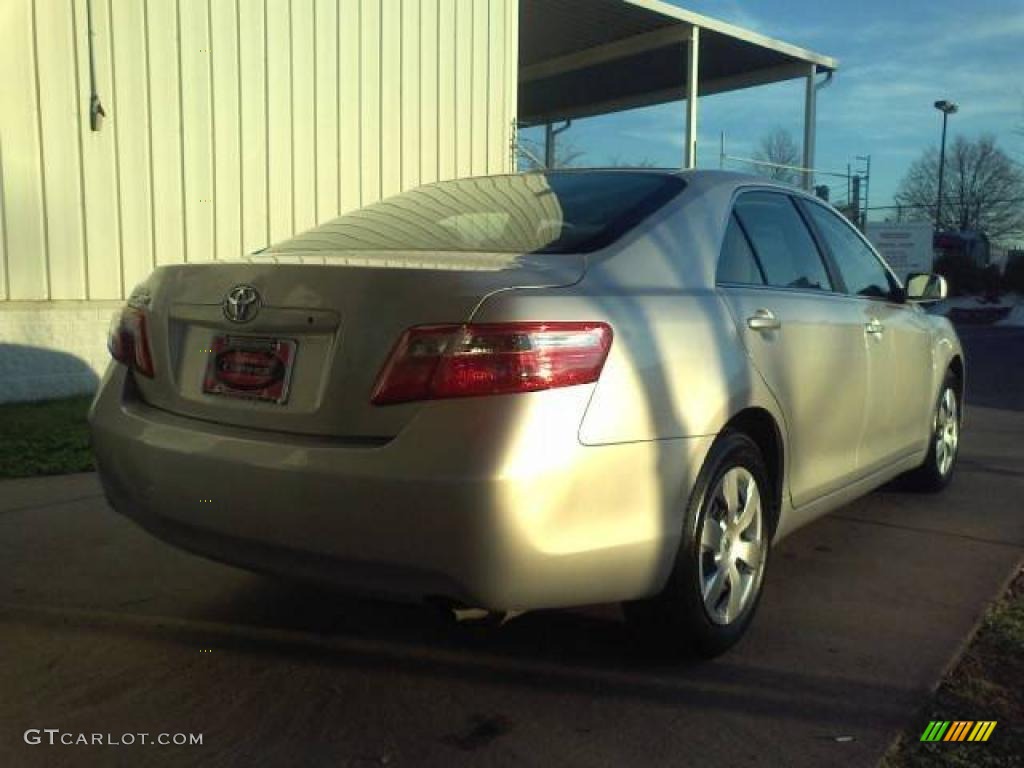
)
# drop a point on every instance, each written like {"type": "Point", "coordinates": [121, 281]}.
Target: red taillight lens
{"type": "Point", "coordinates": [128, 340]}
{"type": "Point", "coordinates": [438, 361]}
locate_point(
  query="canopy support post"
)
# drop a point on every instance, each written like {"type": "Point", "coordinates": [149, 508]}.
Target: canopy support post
{"type": "Point", "coordinates": [692, 67]}
{"type": "Point", "coordinates": [810, 120]}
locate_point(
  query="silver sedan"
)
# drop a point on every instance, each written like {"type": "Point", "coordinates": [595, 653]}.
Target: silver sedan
{"type": "Point", "coordinates": [532, 391]}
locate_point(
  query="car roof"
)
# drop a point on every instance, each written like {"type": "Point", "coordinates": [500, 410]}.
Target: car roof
{"type": "Point", "coordinates": [703, 177]}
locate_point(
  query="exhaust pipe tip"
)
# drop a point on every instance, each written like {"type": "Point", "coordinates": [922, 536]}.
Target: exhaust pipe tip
{"type": "Point", "coordinates": [475, 615]}
{"type": "Point", "coordinates": [463, 614]}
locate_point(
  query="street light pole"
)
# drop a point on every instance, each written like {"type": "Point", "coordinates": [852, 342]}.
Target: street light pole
{"type": "Point", "coordinates": [550, 134]}
{"type": "Point", "coordinates": [947, 108]}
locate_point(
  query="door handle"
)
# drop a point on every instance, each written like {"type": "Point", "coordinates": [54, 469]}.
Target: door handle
{"type": "Point", "coordinates": [874, 327]}
{"type": "Point", "coordinates": [763, 320]}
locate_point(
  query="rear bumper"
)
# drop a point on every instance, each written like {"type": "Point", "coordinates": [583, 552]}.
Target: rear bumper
{"type": "Point", "coordinates": [501, 518]}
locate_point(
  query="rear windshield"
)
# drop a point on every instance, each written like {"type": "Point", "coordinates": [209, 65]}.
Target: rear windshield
{"type": "Point", "coordinates": [568, 212]}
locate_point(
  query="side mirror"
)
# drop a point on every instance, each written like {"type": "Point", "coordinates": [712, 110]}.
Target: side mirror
{"type": "Point", "coordinates": [924, 288]}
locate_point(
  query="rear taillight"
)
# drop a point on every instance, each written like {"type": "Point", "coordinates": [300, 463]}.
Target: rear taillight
{"type": "Point", "coordinates": [128, 340]}
{"type": "Point", "coordinates": [439, 361]}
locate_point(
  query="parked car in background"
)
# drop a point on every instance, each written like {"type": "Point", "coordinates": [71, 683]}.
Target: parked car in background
{"type": "Point", "coordinates": [532, 391]}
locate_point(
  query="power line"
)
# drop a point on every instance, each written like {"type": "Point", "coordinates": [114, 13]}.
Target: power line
{"type": "Point", "coordinates": [932, 206]}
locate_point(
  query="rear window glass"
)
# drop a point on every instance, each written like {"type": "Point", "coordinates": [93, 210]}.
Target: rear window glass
{"type": "Point", "coordinates": [737, 263]}
{"type": "Point", "coordinates": [784, 246]}
{"type": "Point", "coordinates": [567, 212]}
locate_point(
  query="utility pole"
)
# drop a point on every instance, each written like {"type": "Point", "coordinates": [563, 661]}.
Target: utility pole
{"type": "Point", "coordinates": [866, 173]}
{"type": "Point", "coordinates": [849, 184]}
{"type": "Point", "coordinates": [854, 200]}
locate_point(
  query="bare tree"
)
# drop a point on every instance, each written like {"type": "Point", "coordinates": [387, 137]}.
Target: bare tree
{"type": "Point", "coordinates": [778, 148]}
{"type": "Point", "coordinates": [1019, 130]}
{"type": "Point", "coordinates": [617, 161]}
{"type": "Point", "coordinates": [530, 154]}
{"type": "Point", "coordinates": [983, 189]}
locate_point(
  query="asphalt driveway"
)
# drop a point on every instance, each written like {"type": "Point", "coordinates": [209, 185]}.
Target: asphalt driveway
{"type": "Point", "coordinates": [105, 630]}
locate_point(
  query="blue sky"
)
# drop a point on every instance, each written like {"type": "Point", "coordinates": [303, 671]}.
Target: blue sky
{"type": "Point", "coordinates": [896, 58]}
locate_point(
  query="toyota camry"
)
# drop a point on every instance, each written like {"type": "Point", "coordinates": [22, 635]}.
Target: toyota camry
{"type": "Point", "coordinates": [532, 391]}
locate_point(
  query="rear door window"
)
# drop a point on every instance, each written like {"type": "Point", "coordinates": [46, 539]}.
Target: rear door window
{"type": "Point", "coordinates": [738, 263]}
{"type": "Point", "coordinates": [782, 243]}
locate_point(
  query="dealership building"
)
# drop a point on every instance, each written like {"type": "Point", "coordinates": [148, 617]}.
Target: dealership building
{"type": "Point", "coordinates": [137, 133]}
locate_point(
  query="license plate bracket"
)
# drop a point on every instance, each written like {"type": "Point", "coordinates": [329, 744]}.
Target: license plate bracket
{"type": "Point", "coordinates": [250, 367]}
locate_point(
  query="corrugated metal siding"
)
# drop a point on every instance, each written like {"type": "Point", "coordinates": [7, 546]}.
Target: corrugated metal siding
{"type": "Point", "coordinates": [231, 124]}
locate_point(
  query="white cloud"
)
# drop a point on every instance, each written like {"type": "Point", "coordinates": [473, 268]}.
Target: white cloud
{"type": "Point", "coordinates": [941, 34]}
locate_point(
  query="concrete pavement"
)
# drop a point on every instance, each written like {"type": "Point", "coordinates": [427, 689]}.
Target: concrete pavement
{"type": "Point", "coordinates": [106, 630]}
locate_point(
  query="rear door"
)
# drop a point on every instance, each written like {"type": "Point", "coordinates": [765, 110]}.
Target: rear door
{"type": "Point", "coordinates": [805, 339]}
{"type": "Point", "coordinates": [898, 343]}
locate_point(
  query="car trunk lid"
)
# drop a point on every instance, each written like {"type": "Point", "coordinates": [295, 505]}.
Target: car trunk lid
{"type": "Point", "coordinates": [338, 317]}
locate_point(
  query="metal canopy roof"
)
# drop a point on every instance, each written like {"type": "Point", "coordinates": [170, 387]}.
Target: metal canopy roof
{"type": "Point", "coordinates": [586, 57]}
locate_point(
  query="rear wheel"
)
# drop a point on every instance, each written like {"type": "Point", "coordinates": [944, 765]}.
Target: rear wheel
{"type": "Point", "coordinates": [944, 445]}
{"type": "Point", "coordinates": [713, 591]}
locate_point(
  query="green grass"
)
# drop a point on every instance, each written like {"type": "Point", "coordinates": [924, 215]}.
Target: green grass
{"type": "Point", "coordinates": [46, 438]}
{"type": "Point", "coordinates": [986, 684]}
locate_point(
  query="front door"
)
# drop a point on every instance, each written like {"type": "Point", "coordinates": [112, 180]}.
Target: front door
{"type": "Point", "coordinates": [899, 401]}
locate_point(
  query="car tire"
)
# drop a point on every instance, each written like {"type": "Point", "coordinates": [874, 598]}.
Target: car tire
{"type": "Point", "coordinates": [943, 443]}
{"type": "Point", "coordinates": [713, 591]}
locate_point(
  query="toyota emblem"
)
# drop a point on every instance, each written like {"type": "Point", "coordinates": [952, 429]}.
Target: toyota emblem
{"type": "Point", "coordinates": [241, 304]}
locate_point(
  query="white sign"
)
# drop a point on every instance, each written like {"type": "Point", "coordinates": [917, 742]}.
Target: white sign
{"type": "Point", "coordinates": [906, 247]}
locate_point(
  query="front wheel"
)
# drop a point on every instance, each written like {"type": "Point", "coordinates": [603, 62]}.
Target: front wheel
{"type": "Point", "coordinates": [944, 444]}
{"type": "Point", "coordinates": [713, 591]}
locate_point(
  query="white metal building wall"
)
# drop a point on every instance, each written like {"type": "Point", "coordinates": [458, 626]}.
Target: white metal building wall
{"type": "Point", "coordinates": [231, 124]}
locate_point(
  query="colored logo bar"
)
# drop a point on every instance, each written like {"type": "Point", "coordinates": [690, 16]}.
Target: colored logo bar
{"type": "Point", "coordinates": [958, 730]}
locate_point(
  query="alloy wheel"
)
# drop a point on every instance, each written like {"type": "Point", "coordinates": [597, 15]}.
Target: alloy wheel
{"type": "Point", "coordinates": [732, 546]}
{"type": "Point", "coordinates": [947, 431]}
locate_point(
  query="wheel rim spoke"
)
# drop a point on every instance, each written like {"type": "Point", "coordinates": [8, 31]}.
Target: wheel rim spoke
{"type": "Point", "coordinates": [711, 538]}
{"type": "Point", "coordinates": [748, 553]}
{"type": "Point", "coordinates": [737, 591]}
{"type": "Point", "coordinates": [751, 508]}
{"type": "Point", "coordinates": [731, 493]}
{"type": "Point", "coordinates": [714, 587]}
